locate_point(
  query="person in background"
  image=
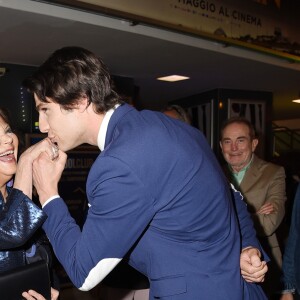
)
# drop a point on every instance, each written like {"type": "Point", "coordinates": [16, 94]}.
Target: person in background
{"type": "Point", "coordinates": [20, 218]}
{"type": "Point", "coordinates": [156, 192]}
{"type": "Point", "coordinates": [177, 112]}
{"type": "Point", "coordinates": [263, 186]}
{"type": "Point", "coordinates": [291, 262]}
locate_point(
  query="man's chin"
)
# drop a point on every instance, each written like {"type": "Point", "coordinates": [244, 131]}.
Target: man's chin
{"type": "Point", "coordinates": [235, 163]}
{"type": "Point", "coordinates": [238, 166]}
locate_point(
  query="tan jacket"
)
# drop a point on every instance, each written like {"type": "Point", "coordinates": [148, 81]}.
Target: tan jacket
{"type": "Point", "coordinates": [265, 182]}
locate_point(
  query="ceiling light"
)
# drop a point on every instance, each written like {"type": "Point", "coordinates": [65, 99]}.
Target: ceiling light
{"type": "Point", "coordinates": [173, 78]}
{"type": "Point", "coordinates": [297, 99]}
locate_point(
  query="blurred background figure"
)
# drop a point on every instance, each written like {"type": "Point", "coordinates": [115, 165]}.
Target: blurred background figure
{"type": "Point", "coordinates": [291, 258]}
{"type": "Point", "coordinates": [177, 112]}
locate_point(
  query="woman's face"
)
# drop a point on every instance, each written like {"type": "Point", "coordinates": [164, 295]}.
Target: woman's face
{"type": "Point", "coordinates": [8, 152]}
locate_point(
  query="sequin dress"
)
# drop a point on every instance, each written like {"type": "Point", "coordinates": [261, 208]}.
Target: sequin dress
{"type": "Point", "coordinates": [19, 220]}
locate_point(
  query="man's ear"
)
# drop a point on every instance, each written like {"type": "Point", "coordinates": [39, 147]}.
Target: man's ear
{"type": "Point", "coordinates": [221, 145]}
{"type": "Point", "coordinates": [82, 103]}
{"type": "Point", "coordinates": [254, 144]}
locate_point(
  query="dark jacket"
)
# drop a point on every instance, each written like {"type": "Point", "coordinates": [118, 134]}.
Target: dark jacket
{"type": "Point", "coordinates": [291, 258]}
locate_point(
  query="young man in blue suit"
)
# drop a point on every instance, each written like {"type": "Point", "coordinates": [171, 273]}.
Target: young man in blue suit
{"type": "Point", "coordinates": [156, 192]}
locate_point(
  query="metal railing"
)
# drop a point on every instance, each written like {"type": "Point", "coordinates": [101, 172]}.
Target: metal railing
{"type": "Point", "coordinates": [285, 139]}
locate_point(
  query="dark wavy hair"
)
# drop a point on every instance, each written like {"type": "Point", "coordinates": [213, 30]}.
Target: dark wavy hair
{"type": "Point", "coordinates": [7, 118]}
{"type": "Point", "coordinates": [71, 73]}
{"type": "Point", "coordinates": [5, 115]}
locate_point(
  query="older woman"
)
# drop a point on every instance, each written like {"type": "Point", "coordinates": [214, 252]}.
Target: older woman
{"type": "Point", "coordinates": [19, 216]}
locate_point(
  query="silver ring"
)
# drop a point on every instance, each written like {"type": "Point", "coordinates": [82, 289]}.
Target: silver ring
{"type": "Point", "coordinates": [55, 151]}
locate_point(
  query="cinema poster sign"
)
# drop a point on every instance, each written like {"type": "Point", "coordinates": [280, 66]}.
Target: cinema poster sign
{"type": "Point", "coordinates": [241, 23]}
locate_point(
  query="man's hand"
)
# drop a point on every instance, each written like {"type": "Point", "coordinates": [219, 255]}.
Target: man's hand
{"type": "Point", "coordinates": [47, 173]}
{"type": "Point", "coordinates": [266, 209]}
{"type": "Point", "coordinates": [252, 268]}
{"type": "Point", "coordinates": [33, 295]}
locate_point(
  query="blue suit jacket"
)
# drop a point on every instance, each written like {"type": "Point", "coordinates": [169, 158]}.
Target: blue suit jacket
{"type": "Point", "coordinates": [157, 194]}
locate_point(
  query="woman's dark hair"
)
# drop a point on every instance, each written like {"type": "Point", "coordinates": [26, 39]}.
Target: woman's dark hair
{"type": "Point", "coordinates": [71, 73]}
{"type": "Point", "coordinates": [4, 114]}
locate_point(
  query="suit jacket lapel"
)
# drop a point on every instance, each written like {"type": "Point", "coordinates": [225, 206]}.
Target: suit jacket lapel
{"type": "Point", "coordinates": [251, 175]}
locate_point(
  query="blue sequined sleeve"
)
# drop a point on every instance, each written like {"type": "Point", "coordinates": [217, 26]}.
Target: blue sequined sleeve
{"type": "Point", "coordinates": [19, 219]}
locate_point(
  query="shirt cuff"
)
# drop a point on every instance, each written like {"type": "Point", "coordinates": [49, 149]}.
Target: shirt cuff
{"type": "Point", "coordinates": [50, 199]}
{"type": "Point", "coordinates": [288, 291]}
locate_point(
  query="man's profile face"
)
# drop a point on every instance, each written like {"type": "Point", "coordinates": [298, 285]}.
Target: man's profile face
{"type": "Point", "coordinates": [237, 145]}
{"type": "Point", "coordinates": [63, 127]}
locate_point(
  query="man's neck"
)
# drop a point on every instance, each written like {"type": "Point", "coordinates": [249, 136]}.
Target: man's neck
{"type": "Point", "coordinates": [101, 135]}
{"type": "Point", "coordinates": [92, 125]}
{"type": "Point", "coordinates": [237, 169]}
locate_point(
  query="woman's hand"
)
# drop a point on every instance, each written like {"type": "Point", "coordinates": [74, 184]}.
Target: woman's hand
{"type": "Point", "coordinates": [45, 145]}
{"type": "Point", "coordinates": [23, 177]}
{"type": "Point", "coordinates": [33, 295]}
